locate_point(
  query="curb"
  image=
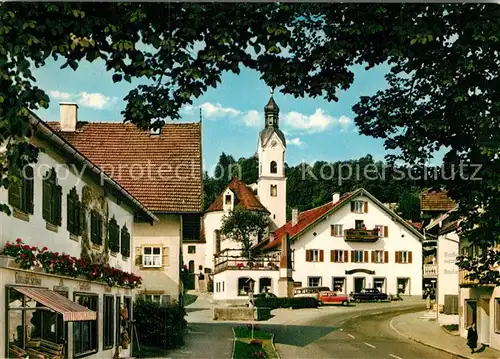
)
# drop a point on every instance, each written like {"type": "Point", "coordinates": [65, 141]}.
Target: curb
{"type": "Point", "coordinates": [450, 333]}
{"type": "Point", "coordinates": [274, 347]}
{"type": "Point", "coordinates": [234, 343]}
{"type": "Point", "coordinates": [426, 344]}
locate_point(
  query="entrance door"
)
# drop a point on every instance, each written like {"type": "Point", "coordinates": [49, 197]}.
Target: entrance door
{"type": "Point", "coordinates": [359, 284]}
{"type": "Point", "coordinates": [404, 286]}
{"type": "Point", "coordinates": [379, 283]}
{"type": "Point", "coordinates": [471, 314]}
{"type": "Point", "coordinates": [484, 331]}
{"type": "Point", "coordinates": [339, 284]}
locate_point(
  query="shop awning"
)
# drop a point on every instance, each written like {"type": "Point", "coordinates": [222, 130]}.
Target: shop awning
{"type": "Point", "coordinates": [70, 311]}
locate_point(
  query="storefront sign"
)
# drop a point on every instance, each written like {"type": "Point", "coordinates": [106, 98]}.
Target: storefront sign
{"type": "Point", "coordinates": [31, 279]}
{"type": "Point", "coordinates": [360, 270]}
{"type": "Point", "coordinates": [85, 286]}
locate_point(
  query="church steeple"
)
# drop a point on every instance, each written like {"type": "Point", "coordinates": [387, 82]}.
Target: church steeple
{"type": "Point", "coordinates": [271, 112]}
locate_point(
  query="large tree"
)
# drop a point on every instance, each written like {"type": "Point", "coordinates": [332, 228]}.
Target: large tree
{"type": "Point", "coordinates": [443, 85]}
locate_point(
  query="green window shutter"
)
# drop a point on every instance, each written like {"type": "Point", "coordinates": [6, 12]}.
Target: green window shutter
{"type": "Point", "coordinates": [58, 206]}
{"type": "Point", "coordinates": [93, 227]}
{"type": "Point", "coordinates": [47, 196]}
{"type": "Point", "coordinates": [70, 212]}
{"type": "Point", "coordinates": [15, 195]}
{"type": "Point", "coordinates": [78, 218]}
{"type": "Point", "coordinates": [29, 190]}
{"type": "Point", "coordinates": [100, 223]}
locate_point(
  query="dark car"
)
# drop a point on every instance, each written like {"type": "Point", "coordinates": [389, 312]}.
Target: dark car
{"type": "Point", "coordinates": [369, 294]}
{"type": "Point", "coordinates": [265, 295]}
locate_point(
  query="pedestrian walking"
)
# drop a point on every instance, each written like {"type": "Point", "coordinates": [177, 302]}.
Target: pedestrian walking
{"type": "Point", "coordinates": [472, 338]}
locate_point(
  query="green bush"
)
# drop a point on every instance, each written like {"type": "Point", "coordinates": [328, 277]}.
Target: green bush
{"type": "Point", "coordinates": [284, 302]}
{"type": "Point", "coordinates": [159, 325]}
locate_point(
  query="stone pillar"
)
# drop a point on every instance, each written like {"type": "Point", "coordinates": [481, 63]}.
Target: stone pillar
{"type": "Point", "coordinates": [285, 282]}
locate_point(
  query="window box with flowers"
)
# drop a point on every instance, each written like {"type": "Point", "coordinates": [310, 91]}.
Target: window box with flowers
{"type": "Point", "coordinates": [41, 259]}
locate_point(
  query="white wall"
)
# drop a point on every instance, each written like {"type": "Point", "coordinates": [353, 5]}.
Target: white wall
{"type": "Point", "coordinates": [34, 231]}
{"type": "Point", "coordinates": [165, 233]}
{"type": "Point", "coordinates": [399, 239]}
{"type": "Point", "coordinates": [230, 280]}
{"type": "Point", "coordinates": [275, 205]}
{"type": "Point", "coordinates": [447, 282]}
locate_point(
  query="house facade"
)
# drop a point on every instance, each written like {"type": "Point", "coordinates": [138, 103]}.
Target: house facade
{"type": "Point", "coordinates": [74, 215]}
{"type": "Point", "coordinates": [351, 243]}
{"type": "Point", "coordinates": [162, 169]}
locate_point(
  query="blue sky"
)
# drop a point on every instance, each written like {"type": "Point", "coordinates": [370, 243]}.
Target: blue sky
{"type": "Point", "coordinates": [232, 113]}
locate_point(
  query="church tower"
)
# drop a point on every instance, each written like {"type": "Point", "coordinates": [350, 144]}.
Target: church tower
{"type": "Point", "coordinates": [271, 185]}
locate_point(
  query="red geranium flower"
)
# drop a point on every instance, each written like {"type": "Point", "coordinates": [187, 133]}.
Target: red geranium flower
{"type": "Point", "coordinates": [27, 247]}
{"type": "Point", "coordinates": [7, 245]}
{"type": "Point", "coordinates": [44, 249]}
{"type": "Point", "coordinates": [33, 248]}
{"type": "Point", "coordinates": [19, 240]}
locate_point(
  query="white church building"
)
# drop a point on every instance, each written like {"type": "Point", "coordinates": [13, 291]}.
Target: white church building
{"type": "Point", "coordinates": [348, 244]}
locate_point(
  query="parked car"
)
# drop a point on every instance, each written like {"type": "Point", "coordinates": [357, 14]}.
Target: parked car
{"type": "Point", "coordinates": [330, 297]}
{"type": "Point", "coordinates": [309, 291]}
{"type": "Point", "coordinates": [369, 294]}
{"type": "Point", "coordinates": [265, 295]}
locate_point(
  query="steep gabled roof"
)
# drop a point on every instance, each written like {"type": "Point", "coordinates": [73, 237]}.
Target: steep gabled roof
{"type": "Point", "coordinates": [244, 198]}
{"type": "Point", "coordinates": [435, 200]}
{"type": "Point", "coordinates": [309, 218]}
{"type": "Point", "coordinates": [164, 171]}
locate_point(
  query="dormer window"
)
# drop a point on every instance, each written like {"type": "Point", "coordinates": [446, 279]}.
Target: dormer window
{"type": "Point", "coordinates": [273, 167]}
{"type": "Point", "coordinates": [228, 200]}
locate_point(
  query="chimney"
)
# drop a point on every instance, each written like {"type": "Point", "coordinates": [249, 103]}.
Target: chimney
{"type": "Point", "coordinates": [68, 113]}
{"type": "Point", "coordinates": [295, 216]}
{"type": "Point", "coordinates": [335, 197]}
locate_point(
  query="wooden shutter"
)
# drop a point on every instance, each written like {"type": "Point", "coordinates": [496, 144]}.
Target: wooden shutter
{"type": "Point", "coordinates": [321, 255]}
{"type": "Point", "coordinates": [386, 257]}
{"type": "Point", "coordinates": [332, 230]}
{"type": "Point", "coordinates": [46, 200]}
{"type": "Point", "coordinates": [409, 257]}
{"type": "Point", "coordinates": [353, 256]}
{"type": "Point", "coordinates": [308, 255]}
{"type": "Point", "coordinates": [346, 256]}
{"type": "Point", "coordinates": [365, 204]}
{"type": "Point", "coordinates": [70, 213]}
{"type": "Point", "coordinates": [386, 231]}
{"type": "Point", "coordinates": [332, 256]}
{"type": "Point", "coordinates": [366, 256]}
{"type": "Point", "coordinates": [15, 195]}
{"type": "Point", "coordinates": [165, 258]}
{"type": "Point", "coordinates": [352, 206]}
{"type": "Point", "coordinates": [78, 218]}
{"type": "Point", "coordinates": [29, 190]}
{"type": "Point", "coordinates": [396, 255]}
{"type": "Point", "coordinates": [93, 227]}
{"type": "Point", "coordinates": [138, 256]}
{"type": "Point", "coordinates": [58, 206]}
{"type": "Point", "coordinates": [373, 257]}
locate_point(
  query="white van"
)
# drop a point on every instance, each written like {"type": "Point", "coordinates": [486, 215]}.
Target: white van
{"type": "Point", "coordinates": [309, 291]}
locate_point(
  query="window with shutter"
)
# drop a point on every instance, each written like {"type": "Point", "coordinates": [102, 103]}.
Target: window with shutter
{"type": "Point", "coordinates": [321, 255]}
{"type": "Point", "coordinates": [21, 192]}
{"type": "Point", "coordinates": [113, 236]}
{"type": "Point", "coordinates": [57, 207]}
{"type": "Point", "coordinates": [15, 190]}
{"type": "Point", "coordinates": [95, 227]}
{"type": "Point", "coordinates": [386, 257]}
{"type": "Point", "coordinates": [366, 207]}
{"type": "Point", "coordinates": [366, 257]}
{"type": "Point", "coordinates": [125, 242]}
{"type": "Point", "coordinates": [386, 231]}
{"type": "Point", "coordinates": [51, 198]}
{"type": "Point", "coordinates": [346, 256]}
{"type": "Point", "coordinates": [73, 206]}
{"type": "Point", "coordinates": [28, 190]}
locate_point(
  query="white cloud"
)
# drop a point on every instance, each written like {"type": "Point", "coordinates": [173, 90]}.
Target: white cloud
{"type": "Point", "coordinates": [344, 122]}
{"type": "Point", "coordinates": [296, 141]}
{"type": "Point", "coordinates": [252, 119]}
{"type": "Point", "coordinates": [210, 110]}
{"type": "Point", "coordinates": [319, 121]}
{"type": "Point", "coordinates": [94, 100]}
{"type": "Point", "coordinates": [58, 95]}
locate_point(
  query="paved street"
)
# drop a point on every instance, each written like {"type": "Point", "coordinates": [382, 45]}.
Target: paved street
{"type": "Point", "coordinates": [361, 331]}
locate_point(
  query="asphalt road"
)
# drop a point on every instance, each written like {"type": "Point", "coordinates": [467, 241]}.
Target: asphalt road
{"type": "Point", "coordinates": [350, 336]}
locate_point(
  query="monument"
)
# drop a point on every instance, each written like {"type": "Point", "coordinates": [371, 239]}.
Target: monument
{"type": "Point", "coordinates": [285, 282]}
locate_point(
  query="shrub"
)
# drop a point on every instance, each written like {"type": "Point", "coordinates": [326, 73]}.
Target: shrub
{"type": "Point", "coordinates": [160, 325]}
{"type": "Point", "coordinates": [284, 302]}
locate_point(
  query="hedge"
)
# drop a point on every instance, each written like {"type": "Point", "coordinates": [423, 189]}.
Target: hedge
{"type": "Point", "coordinates": [284, 302]}
{"type": "Point", "coordinates": [160, 325]}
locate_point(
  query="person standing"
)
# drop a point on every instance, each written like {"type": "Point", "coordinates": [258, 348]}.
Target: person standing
{"type": "Point", "coordinates": [472, 338]}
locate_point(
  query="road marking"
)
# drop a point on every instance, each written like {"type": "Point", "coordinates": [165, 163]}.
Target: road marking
{"type": "Point", "coordinates": [371, 346]}
{"type": "Point", "coordinates": [352, 336]}
{"type": "Point", "coordinates": [394, 356]}
{"type": "Point", "coordinates": [376, 313]}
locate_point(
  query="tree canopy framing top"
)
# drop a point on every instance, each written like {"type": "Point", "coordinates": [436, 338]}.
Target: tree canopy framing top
{"type": "Point", "coordinates": [443, 85]}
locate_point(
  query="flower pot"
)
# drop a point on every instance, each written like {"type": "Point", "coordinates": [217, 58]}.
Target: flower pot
{"type": "Point", "coordinates": [10, 262]}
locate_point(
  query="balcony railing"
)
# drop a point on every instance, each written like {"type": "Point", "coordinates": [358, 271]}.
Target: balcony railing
{"type": "Point", "coordinates": [463, 281]}
{"type": "Point", "coordinates": [361, 235]}
{"type": "Point", "coordinates": [232, 259]}
{"type": "Point", "coordinates": [430, 271]}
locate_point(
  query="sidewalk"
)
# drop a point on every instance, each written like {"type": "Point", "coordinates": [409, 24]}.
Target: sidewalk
{"type": "Point", "coordinates": [431, 334]}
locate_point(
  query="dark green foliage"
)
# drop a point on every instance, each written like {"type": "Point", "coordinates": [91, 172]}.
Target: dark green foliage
{"type": "Point", "coordinates": [408, 205]}
{"type": "Point", "coordinates": [160, 325]}
{"type": "Point", "coordinates": [283, 302]}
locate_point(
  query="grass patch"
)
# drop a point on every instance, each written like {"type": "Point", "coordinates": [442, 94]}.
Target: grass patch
{"type": "Point", "coordinates": [451, 327]}
{"type": "Point", "coordinates": [189, 299]}
{"type": "Point", "coordinates": [260, 347]}
{"type": "Point", "coordinates": [150, 352]}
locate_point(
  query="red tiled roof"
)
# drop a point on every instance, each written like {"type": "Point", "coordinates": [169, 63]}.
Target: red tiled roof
{"type": "Point", "coordinates": [435, 200]}
{"type": "Point", "coordinates": [245, 199]}
{"type": "Point", "coordinates": [162, 171]}
{"type": "Point", "coordinates": [305, 219]}
{"type": "Point", "coordinates": [417, 225]}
